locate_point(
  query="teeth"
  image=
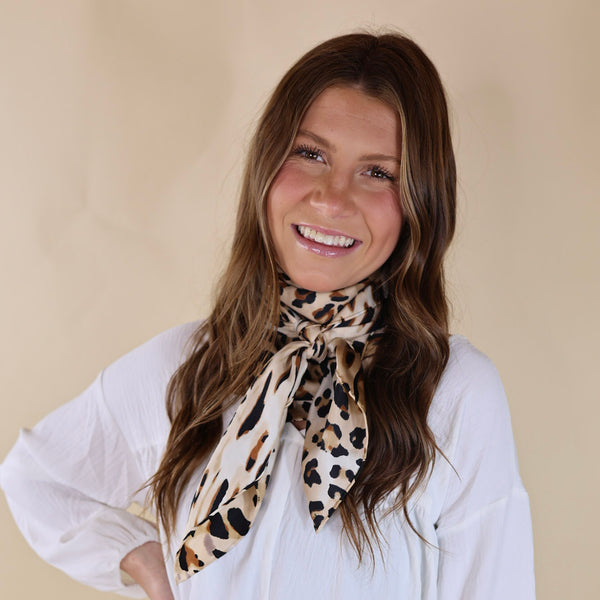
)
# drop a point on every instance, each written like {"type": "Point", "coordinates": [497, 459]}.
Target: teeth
{"type": "Point", "coordinates": [328, 240]}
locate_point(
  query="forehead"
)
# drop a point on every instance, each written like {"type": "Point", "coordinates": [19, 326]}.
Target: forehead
{"type": "Point", "coordinates": [349, 108]}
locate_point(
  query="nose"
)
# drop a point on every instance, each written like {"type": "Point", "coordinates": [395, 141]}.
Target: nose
{"type": "Point", "coordinates": [333, 196]}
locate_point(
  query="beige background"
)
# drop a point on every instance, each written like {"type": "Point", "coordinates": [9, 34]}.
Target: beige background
{"type": "Point", "coordinates": [122, 133]}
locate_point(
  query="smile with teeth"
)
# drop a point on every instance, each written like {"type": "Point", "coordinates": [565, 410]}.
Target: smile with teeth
{"type": "Point", "coordinates": [340, 241]}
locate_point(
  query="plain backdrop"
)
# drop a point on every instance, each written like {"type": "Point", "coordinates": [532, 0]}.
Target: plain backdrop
{"type": "Point", "coordinates": [123, 127]}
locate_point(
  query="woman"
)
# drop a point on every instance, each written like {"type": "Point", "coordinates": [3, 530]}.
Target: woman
{"type": "Point", "coordinates": [324, 436]}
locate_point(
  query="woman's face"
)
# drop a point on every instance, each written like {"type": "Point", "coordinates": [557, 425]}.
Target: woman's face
{"type": "Point", "coordinates": [333, 208]}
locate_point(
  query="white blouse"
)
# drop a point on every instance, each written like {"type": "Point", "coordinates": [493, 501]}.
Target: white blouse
{"type": "Point", "coordinates": [70, 480]}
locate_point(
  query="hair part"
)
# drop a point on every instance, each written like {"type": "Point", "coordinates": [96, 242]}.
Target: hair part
{"type": "Point", "coordinates": [230, 347]}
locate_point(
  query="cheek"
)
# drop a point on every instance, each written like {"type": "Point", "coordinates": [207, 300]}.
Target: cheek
{"type": "Point", "coordinates": [278, 206]}
{"type": "Point", "coordinates": [275, 203]}
{"type": "Point", "coordinates": [290, 184]}
{"type": "Point", "coordinates": [289, 187]}
{"type": "Point", "coordinates": [385, 222]}
{"type": "Point", "coordinates": [273, 219]}
{"type": "Point", "coordinates": [395, 223]}
{"type": "Point", "coordinates": [275, 198]}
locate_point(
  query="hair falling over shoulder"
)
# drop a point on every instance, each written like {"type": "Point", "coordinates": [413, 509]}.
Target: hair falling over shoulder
{"type": "Point", "coordinates": [231, 345]}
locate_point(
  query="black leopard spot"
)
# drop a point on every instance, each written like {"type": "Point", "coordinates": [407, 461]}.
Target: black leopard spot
{"type": "Point", "coordinates": [323, 410]}
{"type": "Point", "coordinates": [252, 419]}
{"type": "Point", "coordinates": [339, 451]}
{"type": "Point", "coordinates": [341, 400]}
{"type": "Point", "coordinates": [311, 476]}
{"type": "Point", "coordinates": [237, 520]}
{"type": "Point", "coordinates": [357, 437]}
{"type": "Point", "coordinates": [358, 347]}
{"type": "Point", "coordinates": [219, 496]}
{"type": "Point", "coordinates": [320, 314]}
{"type": "Point", "coordinates": [337, 297]}
{"type": "Point", "coordinates": [335, 490]}
{"type": "Point", "coordinates": [303, 297]}
{"type": "Point", "coordinates": [335, 471]}
{"type": "Point", "coordinates": [336, 430]}
{"type": "Point", "coordinates": [217, 526]}
{"type": "Point", "coordinates": [369, 314]}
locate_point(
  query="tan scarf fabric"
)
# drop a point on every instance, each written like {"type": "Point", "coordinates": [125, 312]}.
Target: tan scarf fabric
{"type": "Point", "coordinates": [322, 339]}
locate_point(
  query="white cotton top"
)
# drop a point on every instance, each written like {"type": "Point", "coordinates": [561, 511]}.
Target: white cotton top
{"type": "Point", "coordinates": [70, 480]}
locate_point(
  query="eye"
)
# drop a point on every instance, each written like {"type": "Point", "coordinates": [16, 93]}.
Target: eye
{"type": "Point", "coordinates": [308, 152]}
{"type": "Point", "coordinates": [377, 172]}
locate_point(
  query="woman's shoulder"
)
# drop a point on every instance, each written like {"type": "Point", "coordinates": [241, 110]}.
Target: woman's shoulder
{"type": "Point", "coordinates": [470, 396]}
{"type": "Point", "coordinates": [134, 387]}
{"type": "Point", "coordinates": [158, 357]}
{"type": "Point", "coordinates": [468, 368]}
{"type": "Point", "coordinates": [469, 371]}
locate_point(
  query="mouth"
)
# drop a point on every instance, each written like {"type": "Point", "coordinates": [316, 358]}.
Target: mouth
{"type": "Point", "coordinates": [331, 240]}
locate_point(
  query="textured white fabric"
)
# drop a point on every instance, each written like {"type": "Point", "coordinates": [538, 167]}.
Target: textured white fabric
{"type": "Point", "coordinates": [69, 480]}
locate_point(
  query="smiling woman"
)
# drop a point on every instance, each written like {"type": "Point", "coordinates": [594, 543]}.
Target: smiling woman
{"type": "Point", "coordinates": [324, 434]}
{"type": "Point", "coordinates": [334, 213]}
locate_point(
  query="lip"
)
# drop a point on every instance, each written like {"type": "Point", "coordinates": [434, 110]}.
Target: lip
{"type": "Point", "coordinates": [322, 249]}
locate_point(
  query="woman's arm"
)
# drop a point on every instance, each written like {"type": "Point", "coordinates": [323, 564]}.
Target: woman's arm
{"type": "Point", "coordinates": [71, 479]}
{"type": "Point", "coordinates": [69, 482]}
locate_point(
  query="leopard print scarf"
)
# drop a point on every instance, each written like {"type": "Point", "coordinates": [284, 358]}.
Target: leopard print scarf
{"type": "Point", "coordinates": [314, 374]}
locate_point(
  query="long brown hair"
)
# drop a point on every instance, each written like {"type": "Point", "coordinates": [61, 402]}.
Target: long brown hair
{"type": "Point", "coordinates": [230, 346]}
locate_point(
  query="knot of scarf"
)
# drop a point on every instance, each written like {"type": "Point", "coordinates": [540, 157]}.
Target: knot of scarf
{"type": "Point", "coordinates": [315, 371]}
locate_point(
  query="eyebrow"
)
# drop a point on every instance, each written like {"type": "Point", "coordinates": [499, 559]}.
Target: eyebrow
{"type": "Point", "coordinates": [328, 146]}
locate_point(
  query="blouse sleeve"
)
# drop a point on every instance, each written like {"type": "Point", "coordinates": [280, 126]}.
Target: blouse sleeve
{"type": "Point", "coordinates": [70, 480]}
{"type": "Point", "coordinates": [484, 528]}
